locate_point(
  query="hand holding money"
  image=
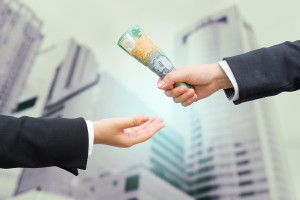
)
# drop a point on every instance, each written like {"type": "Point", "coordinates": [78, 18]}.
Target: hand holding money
{"type": "Point", "coordinates": [138, 44]}
{"type": "Point", "coordinates": [206, 80]}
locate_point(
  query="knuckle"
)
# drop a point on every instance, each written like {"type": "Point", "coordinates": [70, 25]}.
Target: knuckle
{"type": "Point", "coordinates": [191, 94]}
{"type": "Point", "coordinates": [176, 100]}
{"type": "Point", "coordinates": [136, 121]}
{"type": "Point", "coordinates": [168, 76]}
{"type": "Point", "coordinates": [167, 93]}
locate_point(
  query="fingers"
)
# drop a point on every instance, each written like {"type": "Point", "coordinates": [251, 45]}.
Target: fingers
{"type": "Point", "coordinates": [176, 92]}
{"type": "Point", "coordinates": [179, 94]}
{"type": "Point", "coordinates": [142, 126]}
{"type": "Point", "coordinates": [145, 133]}
{"type": "Point", "coordinates": [185, 97]}
{"type": "Point", "coordinates": [173, 77]}
{"type": "Point", "coordinates": [182, 95]}
{"type": "Point", "coordinates": [123, 123]}
{"type": "Point", "coordinates": [189, 101]}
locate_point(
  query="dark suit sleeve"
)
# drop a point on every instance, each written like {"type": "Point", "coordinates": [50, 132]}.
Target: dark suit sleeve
{"type": "Point", "coordinates": [267, 71]}
{"type": "Point", "coordinates": [41, 142]}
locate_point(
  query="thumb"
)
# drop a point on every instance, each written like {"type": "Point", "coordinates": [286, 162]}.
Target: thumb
{"type": "Point", "coordinates": [177, 76]}
{"type": "Point", "coordinates": [130, 122]}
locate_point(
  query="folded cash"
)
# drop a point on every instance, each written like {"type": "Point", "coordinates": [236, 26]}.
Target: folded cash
{"type": "Point", "coordinates": [139, 45]}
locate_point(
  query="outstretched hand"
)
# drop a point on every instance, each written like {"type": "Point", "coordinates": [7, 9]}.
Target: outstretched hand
{"type": "Point", "coordinates": [126, 132]}
{"type": "Point", "coordinates": [205, 79]}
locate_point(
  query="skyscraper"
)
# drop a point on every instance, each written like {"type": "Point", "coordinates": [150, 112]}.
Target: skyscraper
{"type": "Point", "coordinates": [135, 183]}
{"type": "Point", "coordinates": [20, 38]}
{"type": "Point", "coordinates": [234, 151]}
{"type": "Point", "coordinates": [68, 81]}
{"type": "Point", "coordinates": [68, 78]}
{"type": "Point", "coordinates": [73, 88]}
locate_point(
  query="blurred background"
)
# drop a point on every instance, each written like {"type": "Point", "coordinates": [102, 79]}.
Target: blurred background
{"type": "Point", "coordinates": [59, 58]}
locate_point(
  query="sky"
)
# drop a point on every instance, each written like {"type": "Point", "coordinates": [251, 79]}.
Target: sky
{"type": "Point", "coordinates": [99, 24]}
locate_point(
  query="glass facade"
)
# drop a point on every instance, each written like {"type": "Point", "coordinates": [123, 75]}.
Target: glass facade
{"type": "Point", "coordinates": [230, 147]}
{"type": "Point", "coordinates": [167, 157]}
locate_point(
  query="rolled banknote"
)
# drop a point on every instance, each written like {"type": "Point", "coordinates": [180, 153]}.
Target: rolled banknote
{"type": "Point", "coordinates": [139, 45]}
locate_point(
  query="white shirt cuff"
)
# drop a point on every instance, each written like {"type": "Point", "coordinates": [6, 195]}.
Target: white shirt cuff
{"type": "Point", "coordinates": [232, 79]}
{"type": "Point", "coordinates": [91, 132]}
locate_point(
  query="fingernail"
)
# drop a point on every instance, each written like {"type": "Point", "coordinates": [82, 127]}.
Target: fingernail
{"type": "Point", "coordinates": [195, 98]}
{"type": "Point", "coordinates": [191, 93]}
{"type": "Point", "coordinates": [161, 84]}
{"type": "Point", "coordinates": [182, 89]}
{"type": "Point", "coordinates": [161, 125]}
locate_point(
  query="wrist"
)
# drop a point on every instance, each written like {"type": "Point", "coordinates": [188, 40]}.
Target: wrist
{"type": "Point", "coordinates": [97, 135]}
{"type": "Point", "coordinates": [221, 78]}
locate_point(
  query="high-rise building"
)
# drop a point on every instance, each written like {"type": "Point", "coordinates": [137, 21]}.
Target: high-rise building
{"type": "Point", "coordinates": [68, 78]}
{"type": "Point", "coordinates": [234, 151]}
{"type": "Point", "coordinates": [20, 39]}
{"type": "Point", "coordinates": [135, 183]}
{"type": "Point", "coordinates": [74, 86]}
{"type": "Point", "coordinates": [68, 81]}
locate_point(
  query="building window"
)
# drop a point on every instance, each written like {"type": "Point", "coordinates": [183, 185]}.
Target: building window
{"type": "Point", "coordinates": [73, 66]}
{"type": "Point", "coordinates": [115, 183]}
{"type": "Point", "coordinates": [245, 183]}
{"type": "Point", "coordinates": [242, 173]}
{"type": "Point", "coordinates": [39, 188]}
{"type": "Point", "coordinates": [244, 162]}
{"type": "Point", "coordinates": [92, 189]}
{"type": "Point", "coordinates": [247, 194]}
{"type": "Point", "coordinates": [238, 144]}
{"type": "Point", "coordinates": [132, 183]}
{"type": "Point", "coordinates": [205, 160]}
{"type": "Point", "coordinates": [241, 153]}
{"type": "Point", "coordinates": [26, 104]}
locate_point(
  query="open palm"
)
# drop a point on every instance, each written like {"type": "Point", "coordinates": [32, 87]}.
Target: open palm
{"type": "Point", "coordinates": [125, 132]}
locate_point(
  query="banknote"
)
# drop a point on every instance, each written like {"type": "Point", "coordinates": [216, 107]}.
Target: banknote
{"type": "Point", "coordinates": [138, 44]}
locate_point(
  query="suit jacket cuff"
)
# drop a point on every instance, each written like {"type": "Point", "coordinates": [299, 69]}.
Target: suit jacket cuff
{"type": "Point", "coordinates": [76, 146]}
{"type": "Point", "coordinates": [91, 133]}
{"type": "Point", "coordinates": [231, 93]}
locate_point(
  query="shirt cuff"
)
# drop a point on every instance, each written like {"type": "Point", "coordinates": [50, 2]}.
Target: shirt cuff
{"type": "Point", "coordinates": [91, 132]}
{"type": "Point", "coordinates": [232, 94]}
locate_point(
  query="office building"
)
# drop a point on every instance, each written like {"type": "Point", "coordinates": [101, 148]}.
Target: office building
{"type": "Point", "coordinates": [68, 77]}
{"type": "Point", "coordinates": [20, 39]}
{"type": "Point", "coordinates": [234, 151]}
{"type": "Point", "coordinates": [135, 183]}
{"type": "Point", "coordinates": [39, 195]}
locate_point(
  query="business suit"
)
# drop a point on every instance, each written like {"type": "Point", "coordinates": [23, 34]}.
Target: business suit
{"type": "Point", "coordinates": [267, 71]}
{"type": "Point", "coordinates": [40, 142]}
